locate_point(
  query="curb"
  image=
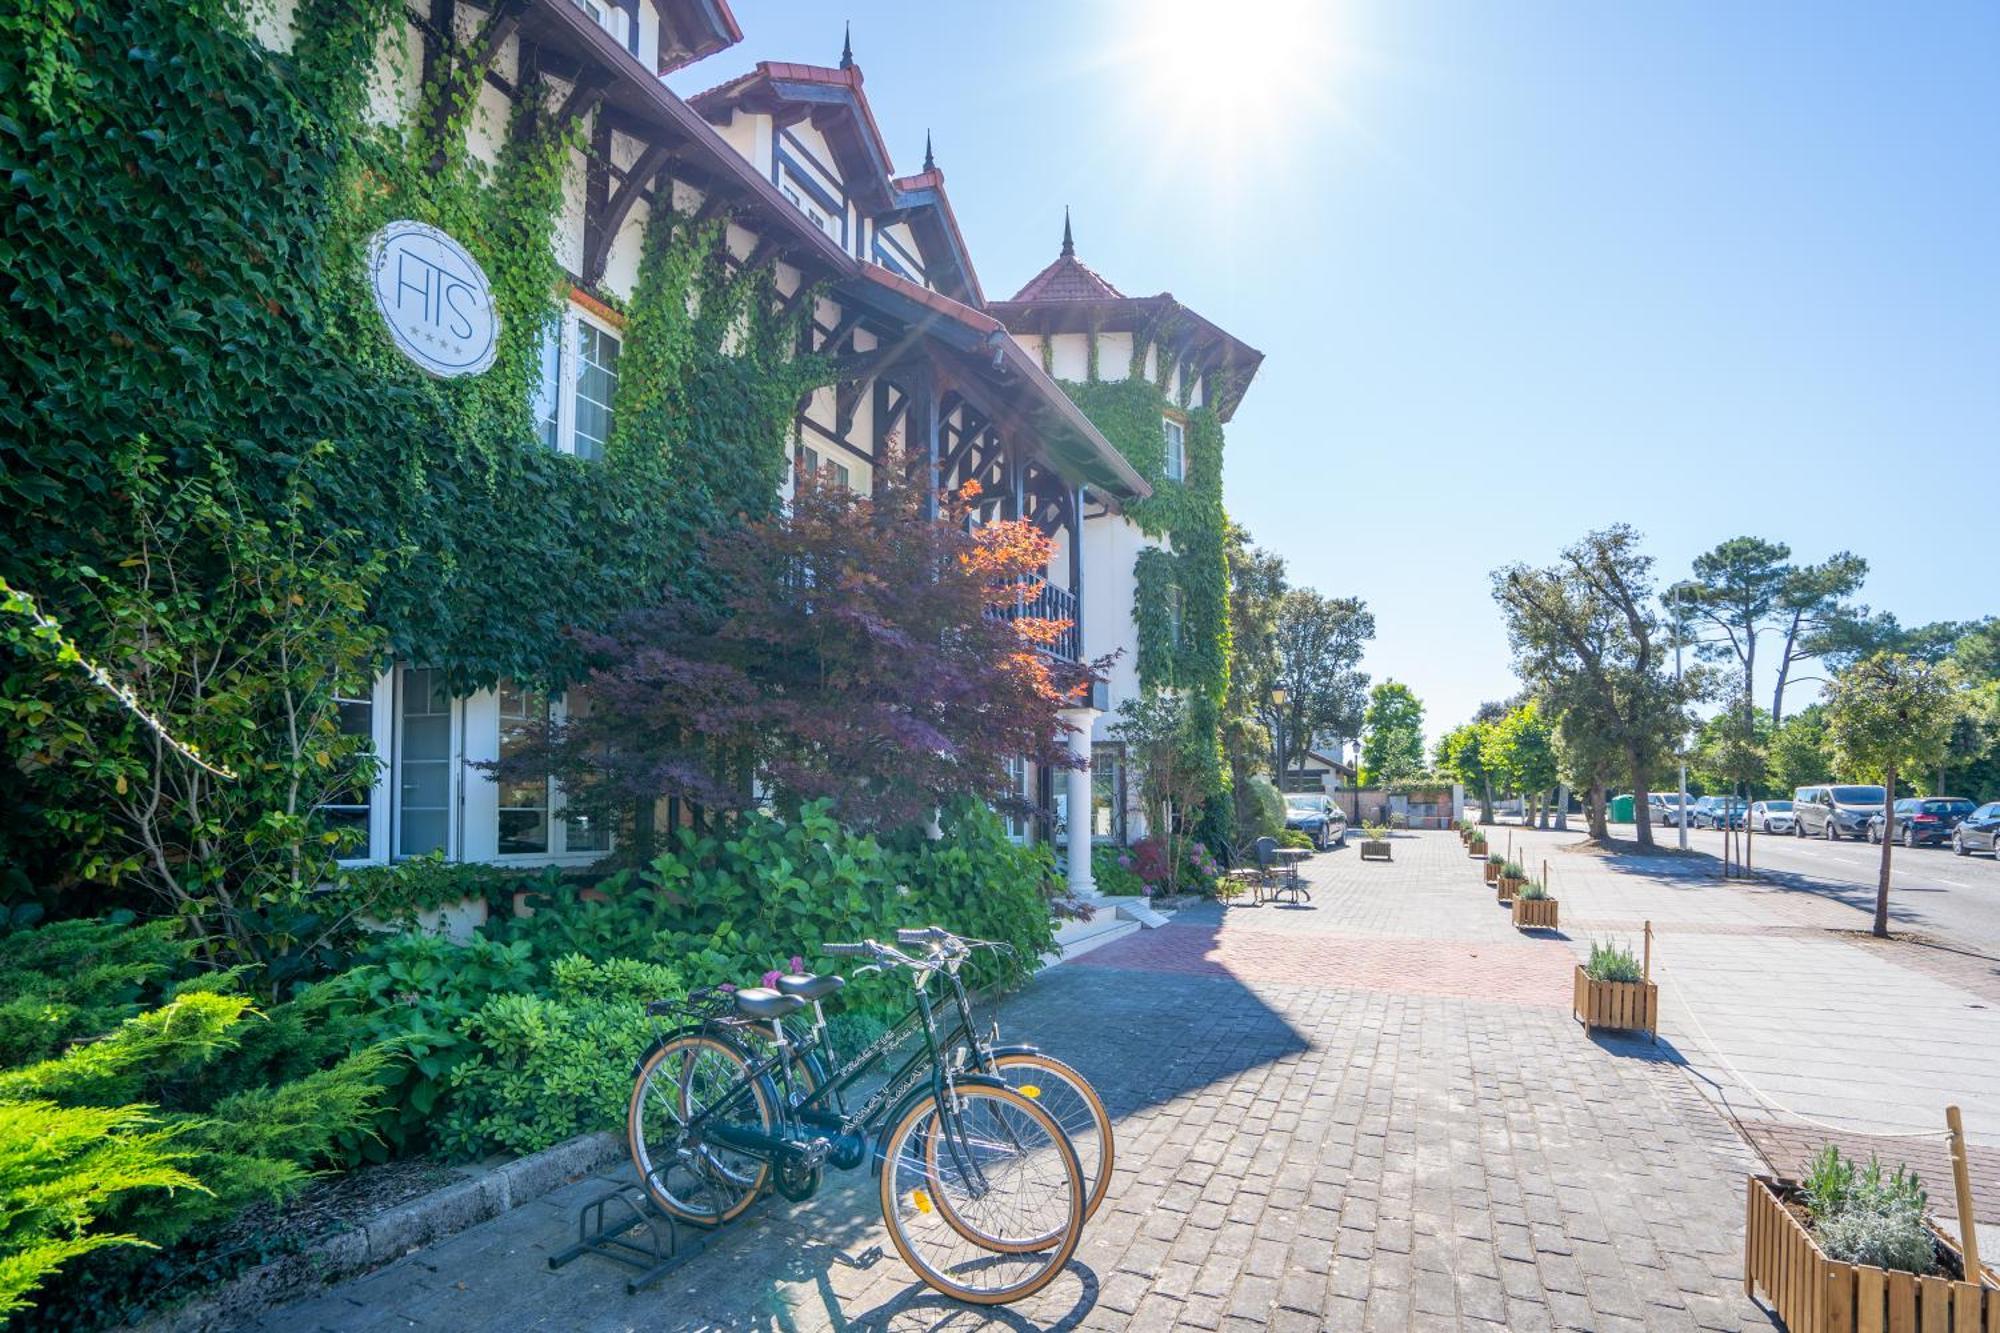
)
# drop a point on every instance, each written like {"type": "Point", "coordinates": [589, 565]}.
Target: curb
{"type": "Point", "coordinates": [486, 1193]}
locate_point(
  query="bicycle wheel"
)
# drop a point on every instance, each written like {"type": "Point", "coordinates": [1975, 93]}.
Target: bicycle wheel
{"type": "Point", "coordinates": [1068, 1096]}
{"type": "Point", "coordinates": [694, 1181]}
{"type": "Point", "coordinates": [992, 1165]}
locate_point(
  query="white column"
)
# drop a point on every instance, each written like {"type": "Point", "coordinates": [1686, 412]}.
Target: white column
{"type": "Point", "coordinates": [1081, 883]}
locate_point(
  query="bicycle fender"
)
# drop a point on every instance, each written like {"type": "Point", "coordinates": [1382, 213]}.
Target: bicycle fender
{"type": "Point", "coordinates": [684, 1030]}
{"type": "Point", "coordinates": [911, 1098]}
{"type": "Point", "coordinates": [1020, 1049]}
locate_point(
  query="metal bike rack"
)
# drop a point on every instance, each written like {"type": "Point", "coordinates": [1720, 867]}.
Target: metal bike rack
{"type": "Point", "coordinates": [596, 1235]}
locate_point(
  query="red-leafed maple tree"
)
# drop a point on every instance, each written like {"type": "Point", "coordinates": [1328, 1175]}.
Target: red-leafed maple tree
{"type": "Point", "coordinates": [864, 650]}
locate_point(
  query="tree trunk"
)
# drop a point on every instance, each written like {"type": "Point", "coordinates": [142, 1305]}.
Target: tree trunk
{"type": "Point", "coordinates": [1486, 801]}
{"type": "Point", "coordinates": [1642, 815]}
{"type": "Point", "coordinates": [1593, 813]}
{"type": "Point", "coordinates": [1562, 807]}
{"type": "Point", "coordinates": [1784, 669]}
{"type": "Point", "coordinates": [1888, 843]}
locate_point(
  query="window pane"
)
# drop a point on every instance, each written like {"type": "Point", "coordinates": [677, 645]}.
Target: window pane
{"type": "Point", "coordinates": [346, 811]}
{"type": "Point", "coordinates": [596, 386]}
{"type": "Point", "coordinates": [523, 803]}
{"type": "Point", "coordinates": [548, 388]}
{"type": "Point", "coordinates": [1107, 808]}
{"type": "Point", "coordinates": [586, 833]}
{"type": "Point", "coordinates": [423, 791]}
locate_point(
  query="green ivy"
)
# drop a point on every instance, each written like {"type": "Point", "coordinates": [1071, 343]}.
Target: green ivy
{"type": "Point", "coordinates": [1188, 513]}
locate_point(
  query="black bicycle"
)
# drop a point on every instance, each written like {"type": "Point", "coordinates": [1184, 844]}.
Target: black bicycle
{"type": "Point", "coordinates": [1056, 1087]}
{"type": "Point", "coordinates": [979, 1186]}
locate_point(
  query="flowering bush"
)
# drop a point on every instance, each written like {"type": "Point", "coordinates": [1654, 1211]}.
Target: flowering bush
{"type": "Point", "coordinates": [1115, 870]}
{"type": "Point", "coordinates": [1200, 869]}
{"type": "Point", "coordinates": [1151, 863]}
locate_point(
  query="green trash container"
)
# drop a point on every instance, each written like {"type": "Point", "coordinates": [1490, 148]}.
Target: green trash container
{"type": "Point", "coordinates": [1621, 809]}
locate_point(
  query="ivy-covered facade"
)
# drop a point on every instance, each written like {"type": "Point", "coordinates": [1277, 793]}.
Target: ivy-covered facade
{"type": "Point", "coordinates": [694, 297]}
{"type": "Point", "coordinates": [1160, 381]}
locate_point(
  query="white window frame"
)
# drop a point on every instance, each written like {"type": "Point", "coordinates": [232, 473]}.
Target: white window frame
{"type": "Point", "coordinates": [813, 461]}
{"type": "Point", "coordinates": [612, 17]}
{"type": "Point", "coordinates": [1174, 432]}
{"type": "Point", "coordinates": [567, 329]}
{"type": "Point", "coordinates": [381, 699]}
{"type": "Point", "coordinates": [558, 822]}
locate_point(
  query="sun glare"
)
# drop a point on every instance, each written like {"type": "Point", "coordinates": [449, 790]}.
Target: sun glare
{"type": "Point", "coordinates": [1231, 80]}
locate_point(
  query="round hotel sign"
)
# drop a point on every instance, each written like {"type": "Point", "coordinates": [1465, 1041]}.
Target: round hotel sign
{"type": "Point", "coordinates": [435, 299]}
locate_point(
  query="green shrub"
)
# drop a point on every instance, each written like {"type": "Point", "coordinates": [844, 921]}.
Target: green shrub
{"type": "Point", "coordinates": [1513, 870]}
{"type": "Point", "coordinates": [1115, 872]}
{"type": "Point", "coordinates": [412, 998]}
{"type": "Point", "coordinates": [1612, 962]}
{"type": "Point", "coordinates": [397, 893]}
{"type": "Point", "coordinates": [1262, 807]}
{"type": "Point", "coordinates": [1532, 889]}
{"type": "Point", "coordinates": [545, 1067]}
{"type": "Point", "coordinates": [81, 978]}
{"type": "Point", "coordinates": [1200, 871]}
{"type": "Point", "coordinates": [1496, 859]}
{"type": "Point", "coordinates": [1866, 1216]}
{"type": "Point", "coordinates": [1295, 838]}
{"type": "Point", "coordinates": [60, 1166]}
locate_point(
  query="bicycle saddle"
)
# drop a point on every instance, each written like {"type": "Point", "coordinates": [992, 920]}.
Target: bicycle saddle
{"type": "Point", "coordinates": [757, 1002]}
{"type": "Point", "coordinates": [810, 987]}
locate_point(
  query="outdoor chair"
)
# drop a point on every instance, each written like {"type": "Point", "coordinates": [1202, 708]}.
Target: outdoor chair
{"type": "Point", "coordinates": [1281, 874]}
{"type": "Point", "coordinates": [1249, 871]}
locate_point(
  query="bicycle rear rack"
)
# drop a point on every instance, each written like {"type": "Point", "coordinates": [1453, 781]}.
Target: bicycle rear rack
{"type": "Point", "coordinates": [596, 1235]}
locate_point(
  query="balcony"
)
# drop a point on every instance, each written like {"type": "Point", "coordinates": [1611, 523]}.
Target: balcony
{"type": "Point", "coordinates": [1042, 600]}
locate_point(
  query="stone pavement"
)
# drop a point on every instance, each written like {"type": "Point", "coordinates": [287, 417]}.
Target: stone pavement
{"type": "Point", "coordinates": [1783, 1011]}
{"type": "Point", "coordinates": [1320, 1126]}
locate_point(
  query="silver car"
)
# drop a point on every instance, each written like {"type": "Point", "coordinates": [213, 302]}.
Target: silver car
{"type": "Point", "coordinates": [1771, 816]}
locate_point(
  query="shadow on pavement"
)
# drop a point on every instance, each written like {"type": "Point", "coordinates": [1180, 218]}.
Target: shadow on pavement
{"type": "Point", "coordinates": [1637, 1046]}
{"type": "Point", "coordinates": [919, 1308]}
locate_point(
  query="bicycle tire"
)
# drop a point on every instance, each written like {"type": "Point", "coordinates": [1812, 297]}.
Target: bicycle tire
{"type": "Point", "coordinates": [1048, 1166]}
{"type": "Point", "coordinates": [1044, 1068]}
{"type": "Point", "coordinates": [654, 1173]}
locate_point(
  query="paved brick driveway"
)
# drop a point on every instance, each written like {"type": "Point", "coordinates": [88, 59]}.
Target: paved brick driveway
{"type": "Point", "coordinates": [1319, 1128]}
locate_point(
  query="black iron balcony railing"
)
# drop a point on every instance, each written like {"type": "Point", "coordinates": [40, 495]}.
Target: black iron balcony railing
{"type": "Point", "coordinates": [1043, 600]}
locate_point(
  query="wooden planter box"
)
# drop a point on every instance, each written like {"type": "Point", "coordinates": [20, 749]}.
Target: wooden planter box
{"type": "Point", "coordinates": [1507, 886]}
{"type": "Point", "coordinates": [1375, 849]}
{"type": "Point", "coordinates": [1535, 914]}
{"type": "Point", "coordinates": [1815, 1294]}
{"type": "Point", "coordinates": [1477, 847]}
{"type": "Point", "coordinates": [1632, 1006]}
{"type": "Point", "coordinates": [1492, 873]}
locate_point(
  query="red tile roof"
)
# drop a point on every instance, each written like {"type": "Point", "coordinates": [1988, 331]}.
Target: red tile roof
{"type": "Point", "coordinates": [1068, 279]}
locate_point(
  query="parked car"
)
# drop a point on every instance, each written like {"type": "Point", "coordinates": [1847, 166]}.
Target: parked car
{"type": "Point", "coordinates": [1923, 819]}
{"type": "Point", "coordinates": [1720, 812]}
{"type": "Point", "coordinates": [1318, 818]}
{"type": "Point", "coordinates": [1666, 808]}
{"type": "Point", "coordinates": [1978, 831]}
{"type": "Point", "coordinates": [1834, 812]}
{"type": "Point", "coordinates": [1771, 816]}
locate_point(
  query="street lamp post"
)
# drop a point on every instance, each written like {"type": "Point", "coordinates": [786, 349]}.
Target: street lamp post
{"type": "Point", "coordinates": [1680, 625]}
{"type": "Point", "coordinates": [1278, 698]}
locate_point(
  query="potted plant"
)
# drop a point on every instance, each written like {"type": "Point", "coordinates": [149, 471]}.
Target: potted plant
{"type": "Point", "coordinates": [1533, 908]}
{"type": "Point", "coordinates": [1512, 873]}
{"type": "Point", "coordinates": [1853, 1249]}
{"type": "Point", "coordinates": [1615, 990]}
{"type": "Point", "coordinates": [1375, 842]}
{"type": "Point", "coordinates": [1477, 845]}
{"type": "Point", "coordinates": [1493, 864]}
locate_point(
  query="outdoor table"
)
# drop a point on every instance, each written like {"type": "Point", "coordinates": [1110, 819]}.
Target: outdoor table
{"type": "Point", "coordinates": [1289, 858]}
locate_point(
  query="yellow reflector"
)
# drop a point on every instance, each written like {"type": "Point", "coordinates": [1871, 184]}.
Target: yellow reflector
{"type": "Point", "coordinates": [1031, 1090]}
{"type": "Point", "coordinates": [920, 1200]}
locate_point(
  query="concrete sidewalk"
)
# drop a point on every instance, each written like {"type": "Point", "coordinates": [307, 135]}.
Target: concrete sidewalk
{"type": "Point", "coordinates": [1373, 1112]}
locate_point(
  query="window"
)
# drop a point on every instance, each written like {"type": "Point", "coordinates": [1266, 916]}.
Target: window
{"type": "Point", "coordinates": [613, 18]}
{"type": "Point", "coordinates": [423, 769]}
{"type": "Point", "coordinates": [1017, 780]}
{"type": "Point", "coordinates": [524, 802]}
{"type": "Point", "coordinates": [577, 384]}
{"type": "Point", "coordinates": [350, 815]}
{"type": "Point", "coordinates": [1176, 458]}
{"type": "Point", "coordinates": [1107, 793]}
{"type": "Point", "coordinates": [810, 460]}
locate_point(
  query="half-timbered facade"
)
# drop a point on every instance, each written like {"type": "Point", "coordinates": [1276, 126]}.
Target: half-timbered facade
{"type": "Point", "coordinates": [791, 156]}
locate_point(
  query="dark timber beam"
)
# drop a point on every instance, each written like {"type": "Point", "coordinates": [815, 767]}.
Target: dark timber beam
{"type": "Point", "coordinates": [582, 99]}
{"type": "Point", "coordinates": [601, 231]}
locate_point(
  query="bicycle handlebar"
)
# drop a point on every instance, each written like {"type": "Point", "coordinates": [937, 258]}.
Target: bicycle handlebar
{"type": "Point", "coordinates": [865, 949]}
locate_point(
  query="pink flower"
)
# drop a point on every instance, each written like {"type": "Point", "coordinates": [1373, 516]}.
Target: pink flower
{"type": "Point", "coordinates": [771, 977]}
{"type": "Point", "coordinates": [798, 964]}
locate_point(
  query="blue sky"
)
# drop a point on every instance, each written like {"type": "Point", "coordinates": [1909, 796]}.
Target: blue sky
{"type": "Point", "coordinates": [1518, 271]}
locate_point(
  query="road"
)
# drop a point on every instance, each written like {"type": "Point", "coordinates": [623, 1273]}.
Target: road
{"type": "Point", "coordinates": [1952, 899]}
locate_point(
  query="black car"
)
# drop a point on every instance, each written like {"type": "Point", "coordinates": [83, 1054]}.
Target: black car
{"type": "Point", "coordinates": [1318, 818]}
{"type": "Point", "coordinates": [1978, 831]}
{"type": "Point", "coordinates": [1923, 819]}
